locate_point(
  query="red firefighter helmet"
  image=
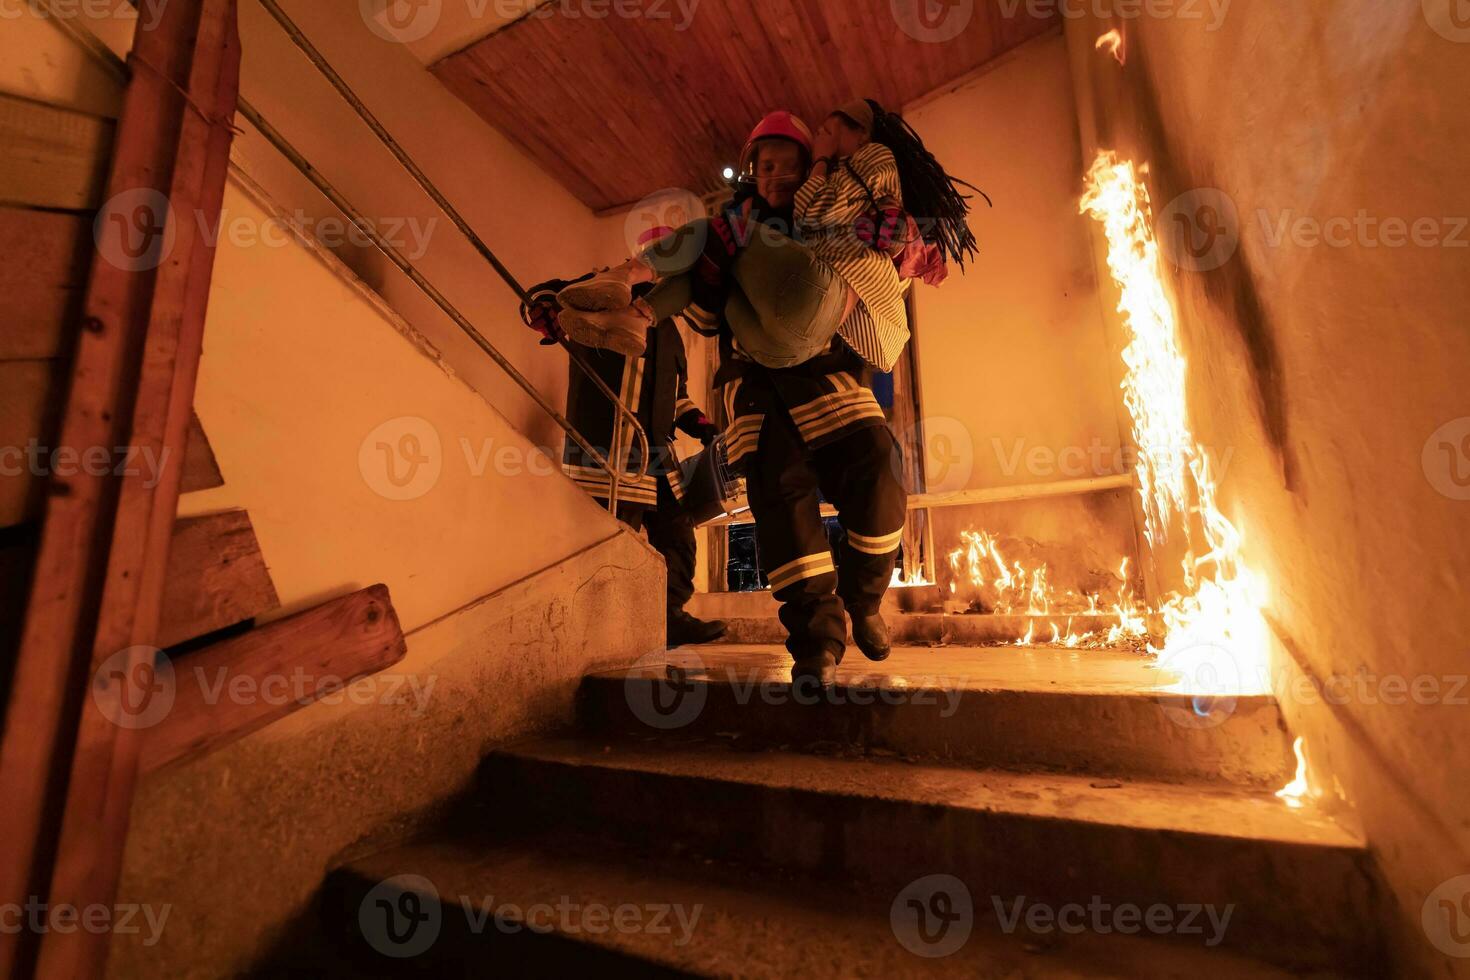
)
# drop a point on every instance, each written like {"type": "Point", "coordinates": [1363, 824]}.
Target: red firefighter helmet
{"type": "Point", "coordinates": [781, 125]}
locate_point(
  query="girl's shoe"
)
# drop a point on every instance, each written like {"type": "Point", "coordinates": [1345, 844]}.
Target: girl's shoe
{"type": "Point", "coordinates": [607, 291]}
{"type": "Point", "coordinates": [624, 331]}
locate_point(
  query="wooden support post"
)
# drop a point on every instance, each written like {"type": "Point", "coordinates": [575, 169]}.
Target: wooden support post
{"type": "Point", "coordinates": [100, 567]}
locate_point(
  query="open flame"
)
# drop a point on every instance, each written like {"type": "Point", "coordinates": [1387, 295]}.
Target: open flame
{"type": "Point", "coordinates": [1215, 634]}
{"type": "Point", "coordinates": [1010, 588]}
{"type": "Point", "coordinates": [1296, 792]}
{"type": "Point", "coordinates": [1112, 43]}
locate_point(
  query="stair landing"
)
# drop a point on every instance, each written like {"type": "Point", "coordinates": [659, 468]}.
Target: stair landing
{"type": "Point", "coordinates": [1101, 712]}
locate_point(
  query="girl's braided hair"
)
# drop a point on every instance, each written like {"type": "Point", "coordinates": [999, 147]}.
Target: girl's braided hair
{"type": "Point", "coordinates": [932, 196]}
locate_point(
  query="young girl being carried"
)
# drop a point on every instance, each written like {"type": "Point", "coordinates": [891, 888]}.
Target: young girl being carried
{"type": "Point", "coordinates": [786, 275]}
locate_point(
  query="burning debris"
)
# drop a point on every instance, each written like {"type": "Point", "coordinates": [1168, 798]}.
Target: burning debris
{"type": "Point", "coordinates": [1001, 585]}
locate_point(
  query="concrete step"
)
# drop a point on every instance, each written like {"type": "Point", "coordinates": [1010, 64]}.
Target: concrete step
{"type": "Point", "coordinates": [911, 614]}
{"type": "Point", "coordinates": [683, 915]}
{"type": "Point", "coordinates": [1099, 712]}
{"type": "Point", "coordinates": [1294, 882]}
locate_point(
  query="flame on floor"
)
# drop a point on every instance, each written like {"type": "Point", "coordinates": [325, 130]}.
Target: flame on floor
{"type": "Point", "coordinates": [1010, 588]}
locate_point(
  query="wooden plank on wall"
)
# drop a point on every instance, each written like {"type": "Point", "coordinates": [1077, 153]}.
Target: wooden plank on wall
{"type": "Point", "coordinates": [30, 402]}
{"type": "Point", "coordinates": [201, 470]}
{"type": "Point", "coordinates": [341, 641]}
{"type": "Point", "coordinates": [216, 577]}
{"type": "Point", "coordinates": [52, 158]}
{"type": "Point", "coordinates": [46, 255]}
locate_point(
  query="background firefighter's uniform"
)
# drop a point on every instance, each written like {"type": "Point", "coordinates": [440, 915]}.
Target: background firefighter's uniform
{"type": "Point", "coordinates": [655, 385]}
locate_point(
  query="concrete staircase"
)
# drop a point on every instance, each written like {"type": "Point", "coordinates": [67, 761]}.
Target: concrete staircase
{"type": "Point", "coordinates": [914, 615]}
{"type": "Point", "coordinates": [996, 812]}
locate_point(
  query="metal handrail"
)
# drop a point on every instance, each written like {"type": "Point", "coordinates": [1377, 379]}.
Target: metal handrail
{"type": "Point", "coordinates": [109, 59]}
{"type": "Point", "coordinates": [320, 62]}
{"type": "Point", "coordinates": [407, 268]}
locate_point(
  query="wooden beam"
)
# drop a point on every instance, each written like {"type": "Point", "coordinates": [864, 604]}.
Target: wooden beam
{"type": "Point", "coordinates": [199, 50]}
{"type": "Point", "coordinates": [201, 470]}
{"type": "Point", "coordinates": [47, 254]}
{"type": "Point", "coordinates": [217, 577]}
{"type": "Point", "coordinates": [273, 671]}
{"type": "Point", "coordinates": [66, 770]}
{"type": "Point", "coordinates": [50, 157]}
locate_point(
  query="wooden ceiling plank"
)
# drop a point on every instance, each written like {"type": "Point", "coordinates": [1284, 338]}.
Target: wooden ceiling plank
{"type": "Point", "coordinates": [620, 107]}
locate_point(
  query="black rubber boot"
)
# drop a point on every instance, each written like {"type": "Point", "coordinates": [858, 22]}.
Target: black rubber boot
{"type": "Point", "coordinates": [684, 630]}
{"type": "Point", "coordinates": [810, 676]}
{"type": "Point", "coordinates": [870, 633]}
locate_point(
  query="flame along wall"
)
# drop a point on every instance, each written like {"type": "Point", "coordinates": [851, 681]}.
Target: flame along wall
{"type": "Point", "coordinates": [1306, 166]}
{"type": "Point", "coordinates": [1016, 373]}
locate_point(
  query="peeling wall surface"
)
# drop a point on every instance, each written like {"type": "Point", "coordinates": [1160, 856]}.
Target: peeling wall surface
{"type": "Point", "coordinates": [1308, 182]}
